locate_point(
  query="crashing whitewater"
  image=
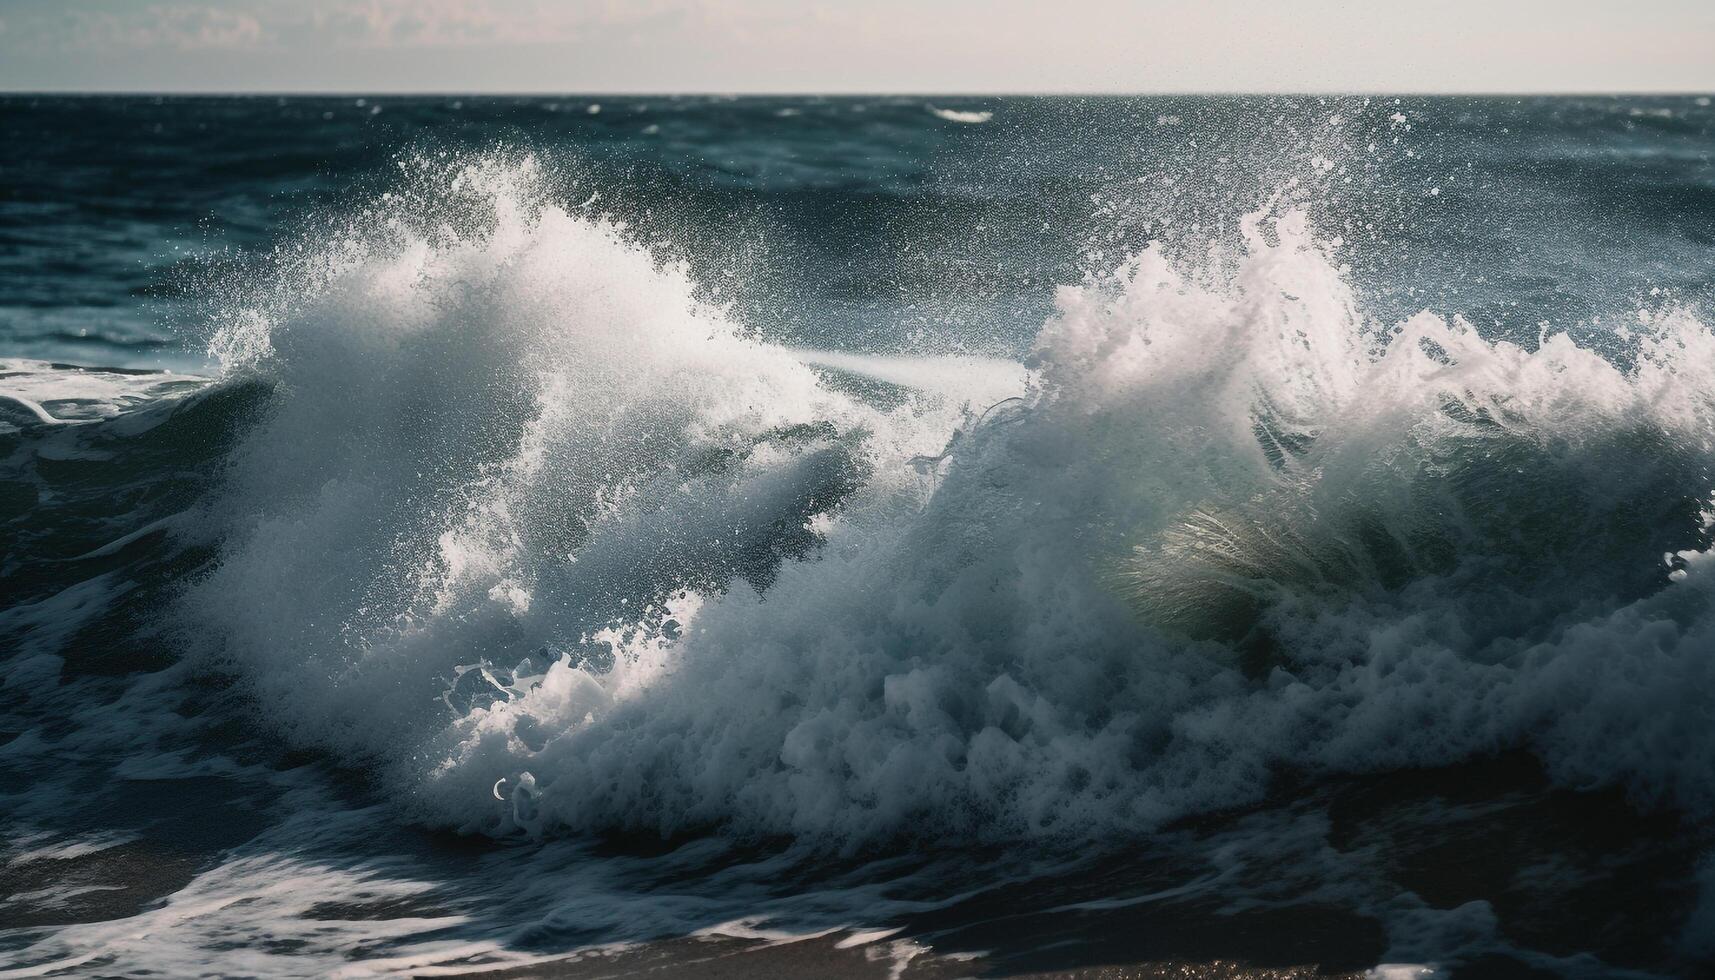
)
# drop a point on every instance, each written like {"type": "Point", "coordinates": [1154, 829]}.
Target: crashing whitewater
{"type": "Point", "coordinates": [529, 518]}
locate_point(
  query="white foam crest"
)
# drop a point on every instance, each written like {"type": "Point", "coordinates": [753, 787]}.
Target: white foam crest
{"type": "Point", "coordinates": [965, 378]}
{"type": "Point", "coordinates": [1239, 529]}
{"type": "Point", "coordinates": [499, 429]}
{"type": "Point", "coordinates": [41, 393]}
{"type": "Point", "coordinates": [969, 117]}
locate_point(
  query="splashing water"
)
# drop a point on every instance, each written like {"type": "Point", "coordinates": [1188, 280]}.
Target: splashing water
{"type": "Point", "coordinates": [498, 520]}
{"type": "Point", "coordinates": [528, 519]}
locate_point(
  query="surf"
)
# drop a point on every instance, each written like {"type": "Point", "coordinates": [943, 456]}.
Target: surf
{"type": "Point", "coordinates": [528, 517]}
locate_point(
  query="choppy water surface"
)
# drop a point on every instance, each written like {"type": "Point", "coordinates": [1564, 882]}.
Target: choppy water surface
{"type": "Point", "coordinates": [891, 537]}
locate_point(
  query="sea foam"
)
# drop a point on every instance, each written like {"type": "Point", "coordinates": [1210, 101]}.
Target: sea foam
{"type": "Point", "coordinates": [528, 518]}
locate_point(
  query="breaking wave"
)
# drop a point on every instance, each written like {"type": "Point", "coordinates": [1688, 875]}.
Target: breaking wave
{"type": "Point", "coordinates": [548, 540]}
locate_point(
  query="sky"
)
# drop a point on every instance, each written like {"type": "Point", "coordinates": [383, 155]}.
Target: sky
{"type": "Point", "coordinates": [965, 46]}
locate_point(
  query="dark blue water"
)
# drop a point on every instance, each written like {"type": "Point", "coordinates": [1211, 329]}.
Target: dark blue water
{"type": "Point", "coordinates": [870, 215]}
{"type": "Point", "coordinates": [857, 536]}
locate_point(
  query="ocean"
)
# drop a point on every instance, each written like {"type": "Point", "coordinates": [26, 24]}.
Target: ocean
{"type": "Point", "coordinates": [905, 537]}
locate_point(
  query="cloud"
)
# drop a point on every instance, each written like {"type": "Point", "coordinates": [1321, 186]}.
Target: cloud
{"type": "Point", "coordinates": [241, 24]}
{"type": "Point", "coordinates": [845, 45]}
{"type": "Point", "coordinates": [185, 27]}
{"type": "Point", "coordinates": [449, 23]}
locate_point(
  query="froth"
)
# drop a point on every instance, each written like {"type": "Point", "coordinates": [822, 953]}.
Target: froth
{"type": "Point", "coordinates": [529, 520]}
{"type": "Point", "coordinates": [499, 429]}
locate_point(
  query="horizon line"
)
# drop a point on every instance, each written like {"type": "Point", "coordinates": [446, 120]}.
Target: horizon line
{"type": "Point", "coordinates": [861, 94]}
